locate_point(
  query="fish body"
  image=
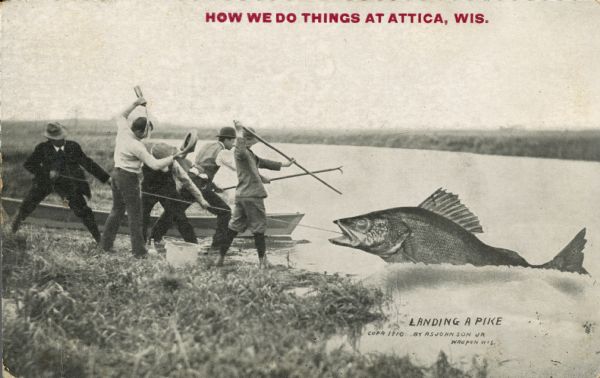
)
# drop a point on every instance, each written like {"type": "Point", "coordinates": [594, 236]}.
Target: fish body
{"type": "Point", "coordinates": [440, 230]}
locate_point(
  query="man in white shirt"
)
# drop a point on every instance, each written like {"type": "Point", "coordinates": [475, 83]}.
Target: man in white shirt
{"type": "Point", "coordinates": [130, 154]}
{"type": "Point", "coordinates": [226, 178]}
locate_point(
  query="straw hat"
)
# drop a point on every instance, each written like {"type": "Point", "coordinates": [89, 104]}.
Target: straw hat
{"type": "Point", "coordinates": [163, 150]}
{"type": "Point", "coordinates": [55, 131]}
{"type": "Point", "coordinates": [189, 142]}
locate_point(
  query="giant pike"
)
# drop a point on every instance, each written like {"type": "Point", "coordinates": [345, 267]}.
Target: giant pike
{"type": "Point", "coordinates": [440, 230]}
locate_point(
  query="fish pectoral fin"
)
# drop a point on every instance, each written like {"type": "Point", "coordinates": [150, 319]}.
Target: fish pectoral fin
{"type": "Point", "coordinates": [397, 248]}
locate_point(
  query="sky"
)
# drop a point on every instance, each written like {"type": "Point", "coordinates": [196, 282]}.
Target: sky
{"type": "Point", "coordinates": [533, 65]}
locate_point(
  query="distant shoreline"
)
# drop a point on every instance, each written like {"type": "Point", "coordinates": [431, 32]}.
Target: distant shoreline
{"type": "Point", "coordinates": [554, 144]}
{"type": "Point", "coordinates": [178, 127]}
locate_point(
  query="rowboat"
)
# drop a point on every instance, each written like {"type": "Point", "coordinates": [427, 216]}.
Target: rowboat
{"type": "Point", "coordinates": [56, 216]}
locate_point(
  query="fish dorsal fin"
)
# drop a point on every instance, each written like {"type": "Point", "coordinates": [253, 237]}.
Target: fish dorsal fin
{"type": "Point", "coordinates": [448, 205]}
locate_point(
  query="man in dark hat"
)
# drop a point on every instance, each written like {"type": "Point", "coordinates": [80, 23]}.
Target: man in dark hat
{"type": "Point", "coordinates": [249, 212]}
{"type": "Point", "coordinates": [56, 165]}
{"type": "Point", "coordinates": [209, 160]}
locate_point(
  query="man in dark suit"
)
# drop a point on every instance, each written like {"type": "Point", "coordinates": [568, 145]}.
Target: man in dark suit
{"type": "Point", "coordinates": [56, 166]}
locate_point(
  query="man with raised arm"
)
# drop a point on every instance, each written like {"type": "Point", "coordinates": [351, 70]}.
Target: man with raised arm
{"type": "Point", "coordinates": [249, 210]}
{"type": "Point", "coordinates": [209, 159]}
{"type": "Point", "coordinates": [129, 155]}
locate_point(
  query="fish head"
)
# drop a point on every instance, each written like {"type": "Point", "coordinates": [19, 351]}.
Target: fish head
{"type": "Point", "coordinates": [376, 233]}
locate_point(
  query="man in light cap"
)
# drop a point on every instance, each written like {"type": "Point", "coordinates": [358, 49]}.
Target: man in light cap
{"type": "Point", "coordinates": [56, 165]}
{"type": "Point", "coordinates": [209, 159]}
{"type": "Point", "coordinates": [249, 212]}
{"type": "Point", "coordinates": [165, 186]}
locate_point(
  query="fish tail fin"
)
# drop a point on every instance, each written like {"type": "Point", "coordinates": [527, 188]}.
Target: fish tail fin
{"type": "Point", "coordinates": [570, 259]}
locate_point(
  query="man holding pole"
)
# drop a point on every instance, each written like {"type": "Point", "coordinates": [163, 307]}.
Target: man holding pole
{"type": "Point", "coordinates": [249, 209]}
{"type": "Point", "coordinates": [56, 165]}
{"type": "Point", "coordinates": [207, 163]}
{"type": "Point", "coordinates": [129, 155]}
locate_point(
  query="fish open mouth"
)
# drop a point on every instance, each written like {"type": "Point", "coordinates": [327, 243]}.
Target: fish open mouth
{"type": "Point", "coordinates": [348, 238]}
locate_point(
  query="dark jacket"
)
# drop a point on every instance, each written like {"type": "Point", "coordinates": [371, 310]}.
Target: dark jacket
{"type": "Point", "coordinates": [45, 158]}
{"type": "Point", "coordinates": [247, 164]}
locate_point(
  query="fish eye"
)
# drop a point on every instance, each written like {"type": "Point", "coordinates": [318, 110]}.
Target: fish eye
{"type": "Point", "coordinates": [363, 224]}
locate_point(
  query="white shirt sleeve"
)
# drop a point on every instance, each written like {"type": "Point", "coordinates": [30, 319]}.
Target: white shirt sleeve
{"type": "Point", "coordinates": [138, 150]}
{"type": "Point", "coordinates": [225, 159]}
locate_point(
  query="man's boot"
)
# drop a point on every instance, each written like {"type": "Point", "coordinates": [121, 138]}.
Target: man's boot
{"type": "Point", "coordinates": [225, 246]}
{"type": "Point", "coordinates": [16, 224]}
{"type": "Point", "coordinates": [263, 263]}
{"type": "Point", "coordinates": [261, 248]}
{"type": "Point", "coordinates": [220, 261]}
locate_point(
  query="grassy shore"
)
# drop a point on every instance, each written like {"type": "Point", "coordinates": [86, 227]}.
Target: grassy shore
{"type": "Point", "coordinates": [71, 311]}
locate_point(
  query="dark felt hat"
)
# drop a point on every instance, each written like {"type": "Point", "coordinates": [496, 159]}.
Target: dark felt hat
{"type": "Point", "coordinates": [227, 132]}
{"type": "Point", "coordinates": [56, 131]}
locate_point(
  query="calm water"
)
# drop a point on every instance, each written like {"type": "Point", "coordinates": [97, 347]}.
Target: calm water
{"type": "Point", "coordinates": [550, 320]}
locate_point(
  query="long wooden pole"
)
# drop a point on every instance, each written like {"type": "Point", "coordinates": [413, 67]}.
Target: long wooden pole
{"type": "Point", "coordinates": [138, 93]}
{"type": "Point", "coordinates": [287, 157]}
{"type": "Point", "coordinates": [294, 175]}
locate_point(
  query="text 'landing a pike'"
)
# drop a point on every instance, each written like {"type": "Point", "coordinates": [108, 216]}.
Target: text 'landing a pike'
{"type": "Point", "coordinates": [440, 230]}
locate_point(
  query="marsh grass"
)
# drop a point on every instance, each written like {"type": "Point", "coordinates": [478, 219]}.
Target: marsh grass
{"type": "Point", "coordinates": [72, 311]}
{"type": "Point", "coordinates": [554, 144]}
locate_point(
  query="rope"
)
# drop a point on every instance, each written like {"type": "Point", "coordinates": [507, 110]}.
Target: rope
{"type": "Point", "coordinates": [214, 207]}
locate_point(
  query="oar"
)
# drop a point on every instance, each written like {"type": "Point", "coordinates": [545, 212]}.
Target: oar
{"type": "Point", "coordinates": [287, 157]}
{"type": "Point", "coordinates": [296, 175]}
